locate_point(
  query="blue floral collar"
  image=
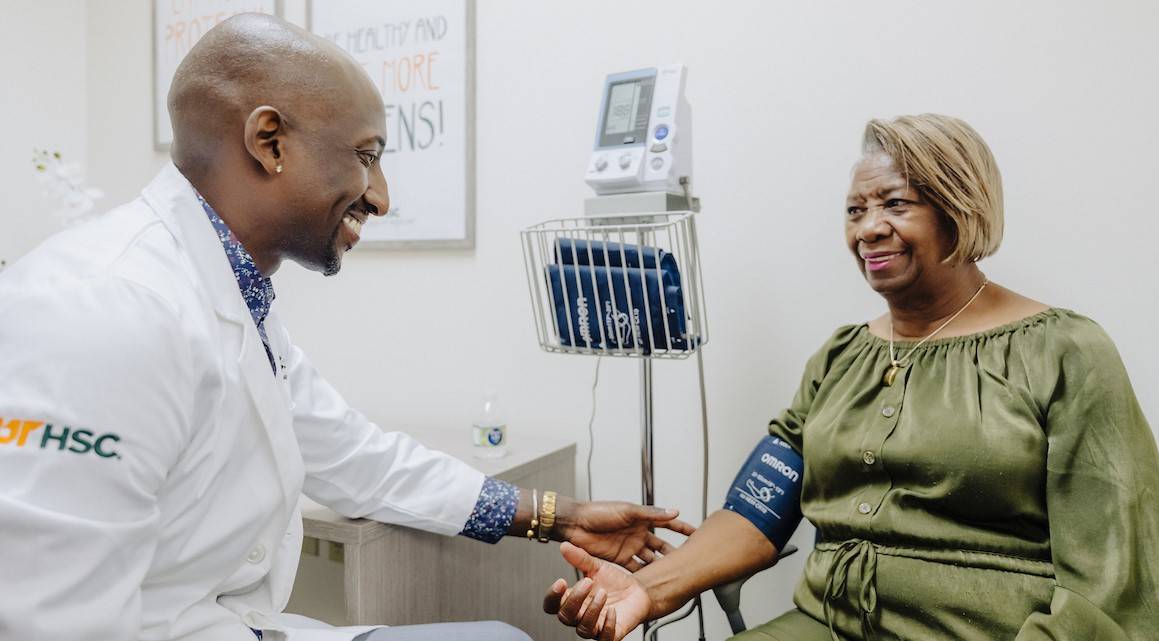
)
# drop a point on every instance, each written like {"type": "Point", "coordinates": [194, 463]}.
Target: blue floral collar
{"type": "Point", "coordinates": [256, 289]}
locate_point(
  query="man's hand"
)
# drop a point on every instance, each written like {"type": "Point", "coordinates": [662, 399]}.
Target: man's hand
{"type": "Point", "coordinates": [618, 531]}
{"type": "Point", "coordinates": [606, 605]}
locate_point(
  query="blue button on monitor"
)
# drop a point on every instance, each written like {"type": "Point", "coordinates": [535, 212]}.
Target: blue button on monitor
{"type": "Point", "coordinates": [661, 132]}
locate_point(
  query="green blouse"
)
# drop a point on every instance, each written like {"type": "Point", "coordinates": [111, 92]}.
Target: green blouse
{"type": "Point", "coordinates": [1006, 486]}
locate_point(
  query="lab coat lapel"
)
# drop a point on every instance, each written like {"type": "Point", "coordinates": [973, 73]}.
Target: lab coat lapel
{"type": "Point", "coordinates": [272, 404]}
{"type": "Point", "coordinates": [173, 198]}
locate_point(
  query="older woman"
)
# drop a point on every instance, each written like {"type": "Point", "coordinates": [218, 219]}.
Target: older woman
{"type": "Point", "coordinates": [976, 462]}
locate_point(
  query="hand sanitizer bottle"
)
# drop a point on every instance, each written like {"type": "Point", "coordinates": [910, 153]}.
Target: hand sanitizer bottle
{"type": "Point", "coordinates": [489, 431]}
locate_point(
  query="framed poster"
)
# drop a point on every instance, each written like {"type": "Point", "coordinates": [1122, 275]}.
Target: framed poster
{"type": "Point", "coordinates": [177, 26]}
{"type": "Point", "coordinates": [421, 56]}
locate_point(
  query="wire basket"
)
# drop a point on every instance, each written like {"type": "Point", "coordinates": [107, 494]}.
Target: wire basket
{"type": "Point", "coordinates": [618, 285]}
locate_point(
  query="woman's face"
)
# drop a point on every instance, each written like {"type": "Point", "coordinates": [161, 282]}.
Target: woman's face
{"type": "Point", "coordinates": [897, 238]}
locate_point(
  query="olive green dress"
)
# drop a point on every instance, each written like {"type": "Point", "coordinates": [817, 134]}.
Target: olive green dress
{"type": "Point", "coordinates": [1006, 486]}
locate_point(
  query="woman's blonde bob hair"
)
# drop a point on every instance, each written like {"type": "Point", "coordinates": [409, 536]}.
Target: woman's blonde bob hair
{"type": "Point", "coordinates": [952, 168]}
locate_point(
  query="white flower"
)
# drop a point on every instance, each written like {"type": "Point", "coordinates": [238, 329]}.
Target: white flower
{"type": "Point", "coordinates": [64, 184]}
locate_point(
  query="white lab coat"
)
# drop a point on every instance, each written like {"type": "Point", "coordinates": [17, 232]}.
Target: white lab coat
{"type": "Point", "coordinates": [170, 509]}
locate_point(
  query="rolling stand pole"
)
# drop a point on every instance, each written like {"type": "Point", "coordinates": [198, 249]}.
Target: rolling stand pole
{"type": "Point", "coordinates": [646, 470]}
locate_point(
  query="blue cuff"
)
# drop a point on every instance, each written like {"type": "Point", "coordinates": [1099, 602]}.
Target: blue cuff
{"type": "Point", "coordinates": [493, 513]}
{"type": "Point", "coordinates": [767, 490]}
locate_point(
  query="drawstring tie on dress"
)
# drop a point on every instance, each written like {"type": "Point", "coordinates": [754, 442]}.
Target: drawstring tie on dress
{"type": "Point", "coordinates": [864, 555]}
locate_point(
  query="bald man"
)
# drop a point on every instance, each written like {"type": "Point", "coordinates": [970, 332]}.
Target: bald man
{"type": "Point", "coordinates": [157, 426]}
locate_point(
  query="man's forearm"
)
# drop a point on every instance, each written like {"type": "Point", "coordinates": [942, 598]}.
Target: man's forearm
{"type": "Point", "coordinates": [725, 548]}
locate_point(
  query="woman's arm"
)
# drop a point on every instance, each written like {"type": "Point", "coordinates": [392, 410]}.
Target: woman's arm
{"type": "Point", "coordinates": [1102, 475]}
{"type": "Point", "coordinates": [725, 548]}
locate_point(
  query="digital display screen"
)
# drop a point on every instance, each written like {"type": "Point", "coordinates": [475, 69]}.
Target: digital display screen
{"type": "Point", "coordinates": [626, 112]}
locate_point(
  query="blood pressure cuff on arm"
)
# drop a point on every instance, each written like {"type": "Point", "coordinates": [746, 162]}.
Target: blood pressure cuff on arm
{"type": "Point", "coordinates": [767, 490]}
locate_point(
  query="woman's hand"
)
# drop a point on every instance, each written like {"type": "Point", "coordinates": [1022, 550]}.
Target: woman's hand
{"type": "Point", "coordinates": [620, 532]}
{"type": "Point", "coordinates": [606, 604]}
{"type": "Point", "coordinates": [610, 602]}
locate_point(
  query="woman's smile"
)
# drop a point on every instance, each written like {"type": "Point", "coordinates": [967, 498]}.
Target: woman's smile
{"type": "Point", "coordinates": [878, 261]}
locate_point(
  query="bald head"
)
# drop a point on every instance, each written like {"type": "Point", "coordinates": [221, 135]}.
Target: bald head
{"type": "Point", "coordinates": [249, 61]}
{"type": "Point", "coordinates": [281, 132]}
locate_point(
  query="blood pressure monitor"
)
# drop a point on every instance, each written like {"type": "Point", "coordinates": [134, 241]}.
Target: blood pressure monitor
{"type": "Point", "coordinates": [643, 138]}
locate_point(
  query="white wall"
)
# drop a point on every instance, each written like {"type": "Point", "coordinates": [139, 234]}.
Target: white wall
{"type": "Point", "coordinates": [42, 106]}
{"type": "Point", "coordinates": [1063, 91]}
{"type": "Point", "coordinates": [120, 72]}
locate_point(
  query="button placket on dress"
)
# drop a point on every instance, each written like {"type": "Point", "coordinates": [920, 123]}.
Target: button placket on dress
{"type": "Point", "coordinates": [888, 413]}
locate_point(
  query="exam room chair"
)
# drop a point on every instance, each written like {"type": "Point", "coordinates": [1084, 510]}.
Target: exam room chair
{"type": "Point", "coordinates": [728, 595]}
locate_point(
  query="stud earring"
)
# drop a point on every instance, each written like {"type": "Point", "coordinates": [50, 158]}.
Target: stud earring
{"type": "Point", "coordinates": [278, 168]}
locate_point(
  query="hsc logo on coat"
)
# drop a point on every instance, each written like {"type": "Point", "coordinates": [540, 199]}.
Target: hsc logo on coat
{"type": "Point", "coordinates": [17, 432]}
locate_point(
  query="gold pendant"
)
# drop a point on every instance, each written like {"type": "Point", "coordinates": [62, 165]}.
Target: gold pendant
{"type": "Point", "coordinates": [890, 375]}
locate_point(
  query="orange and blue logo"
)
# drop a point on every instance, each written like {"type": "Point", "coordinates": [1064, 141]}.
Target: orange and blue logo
{"type": "Point", "coordinates": [17, 432]}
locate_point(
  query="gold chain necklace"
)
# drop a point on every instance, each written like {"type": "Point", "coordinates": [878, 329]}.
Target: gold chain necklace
{"type": "Point", "coordinates": [897, 364]}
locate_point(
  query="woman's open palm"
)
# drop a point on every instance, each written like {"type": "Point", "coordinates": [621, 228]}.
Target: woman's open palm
{"type": "Point", "coordinates": [606, 605]}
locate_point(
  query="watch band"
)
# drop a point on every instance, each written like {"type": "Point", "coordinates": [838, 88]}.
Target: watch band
{"type": "Point", "coordinates": [547, 516]}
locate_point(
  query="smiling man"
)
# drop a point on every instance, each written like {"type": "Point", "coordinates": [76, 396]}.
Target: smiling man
{"type": "Point", "coordinates": [157, 425]}
{"type": "Point", "coordinates": [284, 131]}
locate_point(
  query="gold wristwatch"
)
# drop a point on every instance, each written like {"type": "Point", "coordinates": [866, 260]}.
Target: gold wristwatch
{"type": "Point", "coordinates": [546, 516]}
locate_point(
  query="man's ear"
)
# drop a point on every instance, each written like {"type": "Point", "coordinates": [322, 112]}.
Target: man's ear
{"type": "Point", "coordinates": [265, 130]}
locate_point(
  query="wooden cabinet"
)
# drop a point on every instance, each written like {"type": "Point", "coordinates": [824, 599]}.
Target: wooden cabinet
{"type": "Point", "coordinates": [356, 572]}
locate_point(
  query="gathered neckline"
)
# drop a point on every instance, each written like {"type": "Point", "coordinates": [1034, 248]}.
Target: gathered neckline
{"type": "Point", "coordinates": [1033, 319]}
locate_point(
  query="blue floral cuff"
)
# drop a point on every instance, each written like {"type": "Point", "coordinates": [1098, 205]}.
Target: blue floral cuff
{"type": "Point", "coordinates": [494, 511]}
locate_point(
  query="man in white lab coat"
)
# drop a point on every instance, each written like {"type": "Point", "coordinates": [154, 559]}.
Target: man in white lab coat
{"type": "Point", "coordinates": [157, 425]}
